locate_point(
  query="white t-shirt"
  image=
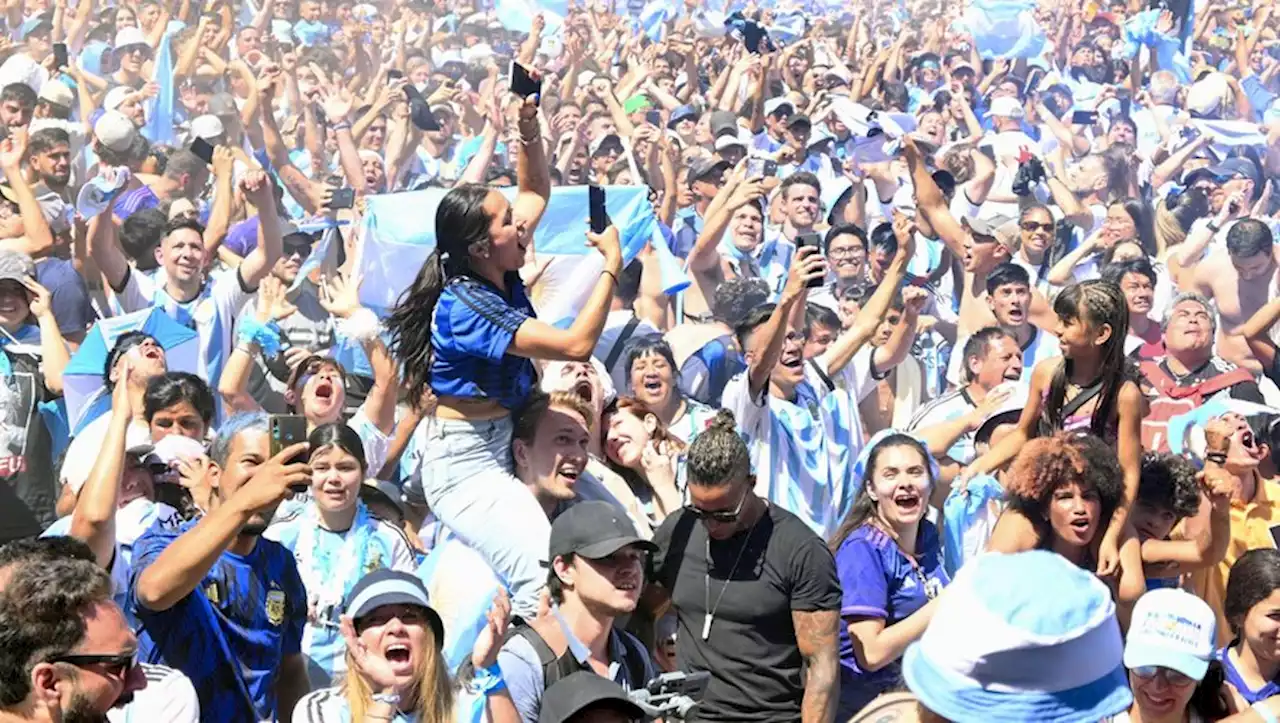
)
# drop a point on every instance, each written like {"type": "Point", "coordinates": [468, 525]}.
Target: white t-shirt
{"type": "Point", "coordinates": [169, 697]}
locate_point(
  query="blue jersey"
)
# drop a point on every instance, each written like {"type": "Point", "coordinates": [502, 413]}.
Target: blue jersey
{"type": "Point", "coordinates": [231, 633]}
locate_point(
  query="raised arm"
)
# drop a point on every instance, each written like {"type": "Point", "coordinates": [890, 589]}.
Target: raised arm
{"type": "Point", "coordinates": [180, 567]}
{"type": "Point", "coordinates": [930, 201]}
{"type": "Point", "coordinates": [805, 265]}
{"type": "Point", "coordinates": [259, 262]}
{"type": "Point", "coordinates": [839, 354]}
{"type": "Point", "coordinates": [94, 519]}
{"type": "Point", "coordinates": [1257, 332]}
{"type": "Point", "coordinates": [533, 177]}
{"type": "Point", "coordinates": [341, 297]}
{"type": "Point", "coordinates": [39, 239]}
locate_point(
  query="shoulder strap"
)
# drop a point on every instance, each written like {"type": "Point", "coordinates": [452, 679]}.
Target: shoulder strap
{"type": "Point", "coordinates": [826, 380]}
{"type": "Point", "coordinates": [554, 667]}
{"type": "Point", "coordinates": [1081, 399]}
{"type": "Point", "coordinates": [633, 660]}
{"type": "Point", "coordinates": [621, 343]}
{"type": "Point", "coordinates": [1225, 380]}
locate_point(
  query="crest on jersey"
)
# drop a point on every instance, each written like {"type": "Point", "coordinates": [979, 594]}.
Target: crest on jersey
{"type": "Point", "coordinates": [275, 607]}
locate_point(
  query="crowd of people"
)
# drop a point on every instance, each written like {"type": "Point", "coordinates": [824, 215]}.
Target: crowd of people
{"type": "Point", "coordinates": [944, 386]}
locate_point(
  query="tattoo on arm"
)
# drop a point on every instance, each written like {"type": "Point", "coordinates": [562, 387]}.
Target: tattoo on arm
{"type": "Point", "coordinates": [818, 635]}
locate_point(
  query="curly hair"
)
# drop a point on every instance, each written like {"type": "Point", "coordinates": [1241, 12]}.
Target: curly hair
{"type": "Point", "coordinates": [1047, 464]}
{"type": "Point", "coordinates": [718, 455]}
{"type": "Point", "coordinates": [1168, 482]}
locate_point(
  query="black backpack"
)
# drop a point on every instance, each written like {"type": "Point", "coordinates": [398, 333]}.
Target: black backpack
{"type": "Point", "coordinates": [633, 661]}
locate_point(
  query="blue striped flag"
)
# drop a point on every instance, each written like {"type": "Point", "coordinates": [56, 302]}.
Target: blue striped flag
{"type": "Point", "coordinates": [398, 234]}
{"type": "Point", "coordinates": [159, 127]}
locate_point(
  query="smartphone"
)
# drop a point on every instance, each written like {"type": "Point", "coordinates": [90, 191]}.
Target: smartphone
{"type": "Point", "coordinates": [596, 205]}
{"type": "Point", "coordinates": [523, 83]}
{"type": "Point", "coordinates": [203, 149]}
{"type": "Point", "coordinates": [653, 117]}
{"type": "Point", "coordinates": [770, 168]}
{"type": "Point", "coordinates": [342, 198]}
{"type": "Point", "coordinates": [394, 75]}
{"type": "Point", "coordinates": [1084, 117]}
{"type": "Point", "coordinates": [287, 430]}
{"type": "Point", "coordinates": [419, 112]}
{"type": "Point", "coordinates": [754, 38]}
{"type": "Point", "coordinates": [814, 240]}
{"type": "Point", "coordinates": [59, 55]}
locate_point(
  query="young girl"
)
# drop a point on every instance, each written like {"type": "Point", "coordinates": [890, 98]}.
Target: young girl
{"type": "Point", "coordinates": [465, 332]}
{"type": "Point", "coordinates": [335, 542]}
{"type": "Point", "coordinates": [889, 558]}
{"type": "Point", "coordinates": [639, 447]}
{"type": "Point", "coordinates": [1090, 389]}
{"type": "Point", "coordinates": [1064, 488]}
{"type": "Point", "coordinates": [1252, 607]}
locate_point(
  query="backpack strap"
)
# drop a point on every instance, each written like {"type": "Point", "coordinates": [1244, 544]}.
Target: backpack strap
{"type": "Point", "coordinates": [623, 337]}
{"type": "Point", "coordinates": [634, 657]}
{"type": "Point", "coordinates": [826, 380]}
{"type": "Point", "coordinates": [1157, 377]}
{"type": "Point", "coordinates": [1226, 380]}
{"type": "Point", "coordinates": [1081, 399]}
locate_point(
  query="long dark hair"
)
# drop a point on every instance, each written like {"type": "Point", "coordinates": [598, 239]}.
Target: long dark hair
{"type": "Point", "coordinates": [1252, 579]}
{"type": "Point", "coordinates": [1208, 699]}
{"type": "Point", "coordinates": [1095, 302]}
{"type": "Point", "coordinates": [461, 223]}
{"type": "Point", "coordinates": [1144, 224]}
{"type": "Point", "coordinates": [337, 434]}
{"type": "Point", "coordinates": [864, 507]}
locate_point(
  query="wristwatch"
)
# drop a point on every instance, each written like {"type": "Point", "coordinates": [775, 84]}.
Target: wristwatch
{"type": "Point", "coordinates": [391, 699]}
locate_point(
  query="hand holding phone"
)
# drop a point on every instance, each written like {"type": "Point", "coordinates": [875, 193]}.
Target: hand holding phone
{"type": "Point", "coordinates": [342, 198]}
{"type": "Point", "coordinates": [523, 82]}
{"type": "Point", "coordinates": [59, 56]}
{"type": "Point", "coordinates": [203, 150]}
{"type": "Point", "coordinates": [596, 206]}
{"type": "Point", "coordinates": [286, 430]}
{"type": "Point", "coordinates": [815, 241]}
{"type": "Point", "coordinates": [1084, 118]}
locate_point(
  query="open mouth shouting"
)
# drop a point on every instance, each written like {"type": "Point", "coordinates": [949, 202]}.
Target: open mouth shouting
{"type": "Point", "coordinates": [568, 472]}
{"type": "Point", "coordinates": [908, 501]}
{"type": "Point", "coordinates": [585, 389]}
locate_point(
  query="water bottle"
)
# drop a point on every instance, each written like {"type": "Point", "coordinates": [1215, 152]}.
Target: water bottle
{"type": "Point", "coordinates": [97, 194]}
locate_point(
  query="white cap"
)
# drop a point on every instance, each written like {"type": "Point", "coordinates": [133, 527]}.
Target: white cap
{"type": "Point", "coordinates": [115, 131]}
{"type": "Point", "coordinates": [773, 105]}
{"type": "Point", "coordinates": [82, 454]}
{"type": "Point", "coordinates": [728, 140]}
{"type": "Point", "coordinates": [57, 92]}
{"type": "Point", "coordinates": [181, 207]}
{"type": "Point", "coordinates": [175, 446]}
{"type": "Point", "coordinates": [206, 127]}
{"type": "Point", "coordinates": [1208, 94]}
{"type": "Point", "coordinates": [130, 36]}
{"type": "Point", "coordinates": [1005, 107]}
{"type": "Point", "coordinates": [115, 97]}
{"type": "Point", "coordinates": [1173, 629]}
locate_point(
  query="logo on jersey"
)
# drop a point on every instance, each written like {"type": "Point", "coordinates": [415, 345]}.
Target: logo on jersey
{"type": "Point", "coordinates": [374, 562]}
{"type": "Point", "coordinates": [275, 607]}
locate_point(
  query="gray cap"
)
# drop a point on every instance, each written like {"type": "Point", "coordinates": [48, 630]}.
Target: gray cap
{"type": "Point", "coordinates": [595, 530]}
{"type": "Point", "coordinates": [987, 226]}
{"type": "Point", "coordinates": [702, 167]}
{"type": "Point", "coordinates": [16, 265]}
{"type": "Point", "coordinates": [723, 122]}
{"type": "Point", "coordinates": [581, 691]}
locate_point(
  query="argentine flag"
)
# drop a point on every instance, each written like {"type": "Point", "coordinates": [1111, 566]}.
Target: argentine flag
{"type": "Point", "coordinates": [398, 232]}
{"type": "Point", "coordinates": [1004, 28]}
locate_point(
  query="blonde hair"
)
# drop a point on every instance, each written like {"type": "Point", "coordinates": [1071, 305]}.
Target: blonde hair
{"type": "Point", "coordinates": [434, 688]}
{"type": "Point", "coordinates": [1168, 231]}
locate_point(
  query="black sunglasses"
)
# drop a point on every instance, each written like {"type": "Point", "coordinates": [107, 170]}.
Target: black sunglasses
{"type": "Point", "coordinates": [1033, 226]}
{"type": "Point", "coordinates": [724, 516]}
{"type": "Point", "coordinates": [117, 664]}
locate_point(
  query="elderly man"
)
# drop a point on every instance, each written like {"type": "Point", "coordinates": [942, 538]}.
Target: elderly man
{"type": "Point", "coordinates": [1189, 374]}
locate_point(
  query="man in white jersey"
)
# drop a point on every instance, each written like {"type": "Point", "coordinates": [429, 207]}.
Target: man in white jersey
{"type": "Point", "coordinates": [801, 440]}
{"type": "Point", "coordinates": [208, 305]}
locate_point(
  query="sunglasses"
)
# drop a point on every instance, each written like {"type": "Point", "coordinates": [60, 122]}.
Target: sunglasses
{"type": "Point", "coordinates": [1172, 677]}
{"type": "Point", "coordinates": [1033, 226]}
{"type": "Point", "coordinates": [724, 516]}
{"type": "Point", "coordinates": [117, 665]}
{"type": "Point", "coordinates": [303, 250]}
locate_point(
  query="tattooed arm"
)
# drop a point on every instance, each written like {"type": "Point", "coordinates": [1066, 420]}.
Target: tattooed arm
{"type": "Point", "coordinates": [817, 634]}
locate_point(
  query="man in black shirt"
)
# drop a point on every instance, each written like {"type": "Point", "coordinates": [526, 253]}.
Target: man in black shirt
{"type": "Point", "coordinates": [754, 590]}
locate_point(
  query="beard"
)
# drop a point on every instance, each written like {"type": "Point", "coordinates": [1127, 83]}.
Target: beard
{"type": "Point", "coordinates": [80, 709]}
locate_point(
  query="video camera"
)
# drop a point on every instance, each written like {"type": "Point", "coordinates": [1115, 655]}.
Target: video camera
{"type": "Point", "coordinates": [671, 695]}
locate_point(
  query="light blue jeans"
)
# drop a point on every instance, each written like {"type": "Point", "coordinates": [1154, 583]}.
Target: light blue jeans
{"type": "Point", "coordinates": [465, 478]}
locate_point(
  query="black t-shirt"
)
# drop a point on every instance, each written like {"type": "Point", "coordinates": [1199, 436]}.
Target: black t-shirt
{"type": "Point", "coordinates": [28, 489]}
{"type": "Point", "coordinates": [751, 652]}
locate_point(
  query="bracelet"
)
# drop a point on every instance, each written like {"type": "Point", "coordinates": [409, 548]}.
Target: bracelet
{"type": "Point", "coordinates": [1267, 715]}
{"type": "Point", "coordinates": [488, 680]}
{"type": "Point", "coordinates": [611, 275]}
{"type": "Point", "coordinates": [361, 327]}
{"type": "Point", "coordinates": [340, 126]}
{"type": "Point", "coordinates": [391, 699]}
{"type": "Point", "coordinates": [266, 336]}
{"type": "Point", "coordinates": [1216, 457]}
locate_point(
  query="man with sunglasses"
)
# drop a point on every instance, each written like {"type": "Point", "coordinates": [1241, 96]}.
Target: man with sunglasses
{"type": "Point", "coordinates": [754, 591]}
{"type": "Point", "coordinates": [49, 670]}
{"type": "Point", "coordinates": [596, 575]}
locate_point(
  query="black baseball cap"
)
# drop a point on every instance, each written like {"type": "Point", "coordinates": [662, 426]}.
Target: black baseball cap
{"type": "Point", "coordinates": [700, 168]}
{"type": "Point", "coordinates": [581, 691]}
{"type": "Point", "coordinates": [594, 529]}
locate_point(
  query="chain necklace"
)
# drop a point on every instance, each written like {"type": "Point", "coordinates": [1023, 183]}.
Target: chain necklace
{"type": "Point", "coordinates": [706, 578]}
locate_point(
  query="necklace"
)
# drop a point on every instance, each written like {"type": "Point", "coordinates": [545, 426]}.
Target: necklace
{"type": "Point", "coordinates": [706, 580]}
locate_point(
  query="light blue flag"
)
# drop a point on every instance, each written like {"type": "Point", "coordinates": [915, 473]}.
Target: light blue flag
{"type": "Point", "coordinates": [159, 127]}
{"type": "Point", "coordinates": [398, 234]}
{"type": "Point", "coordinates": [788, 26]}
{"type": "Point", "coordinates": [653, 19]}
{"type": "Point", "coordinates": [1141, 30]}
{"type": "Point", "coordinates": [517, 15]}
{"type": "Point", "coordinates": [248, 9]}
{"type": "Point", "coordinates": [1004, 28]}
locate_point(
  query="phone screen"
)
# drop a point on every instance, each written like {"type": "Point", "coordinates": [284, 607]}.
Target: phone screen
{"type": "Point", "coordinates": [1084, 117]}
{"type": "Point", "coordinates": [596, 204]}
{"type": "Point", "coordinates": [394, 74]}
{"type": "Point", "coordinates": [523, 83]}
{"type": "Point", "coordinates": [342, 198]}
{"type": "Point", "coordinates": [653, 117]}
{"type": "Point", "coordinates": [814, 240]}
{"type": "Point", "coordinates": [59, 55]}
{"type": "Point", "coordinates": [203, 150]}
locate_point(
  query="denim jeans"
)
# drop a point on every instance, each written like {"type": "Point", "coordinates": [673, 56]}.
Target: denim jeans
{"type": "Point", "coordinates": [466, 480]}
